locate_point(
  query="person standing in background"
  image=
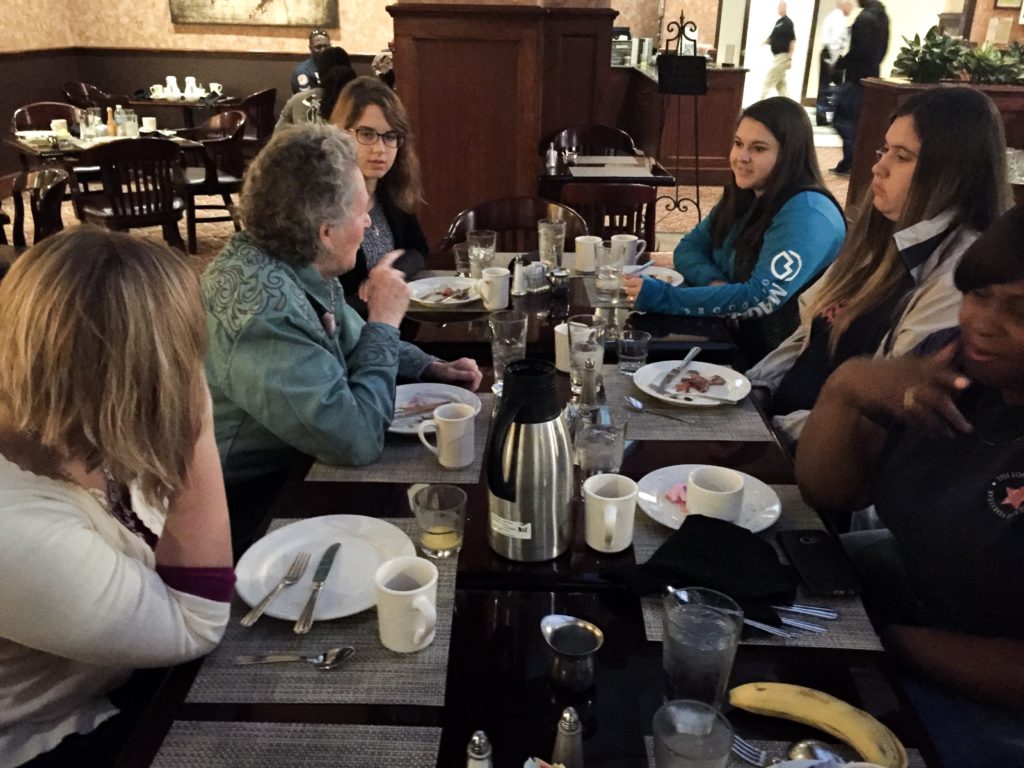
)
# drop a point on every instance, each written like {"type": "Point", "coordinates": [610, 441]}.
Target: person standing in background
{"type": "Point", "coordinates": [835, 34]}
{"type": "Point", "coordinates": [782, 41]}
{"type": "Point", "coordinates": [306, 75]}
{"type": "Point", "coordinates": [869, 39]}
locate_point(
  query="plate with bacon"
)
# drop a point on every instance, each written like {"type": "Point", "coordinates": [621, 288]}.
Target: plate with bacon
{"type": "Point", "coordinates": [699, 384]}
{"type": "Point", "coordinates": [662, 496]}
{"type": "Point", "coordinates": [443, 291]}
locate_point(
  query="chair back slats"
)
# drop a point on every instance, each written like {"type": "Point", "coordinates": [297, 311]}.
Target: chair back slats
{"type": "Point", "coordinates": [514, 219]}
{"type": "Point", "coordinates": [612, 209]}
{"type": "Point", "coordinates": [594, 139]}
{"type": "Point", "coordinates": [45, 191]}
{"type": "Point", "coordinates": [141, 177]}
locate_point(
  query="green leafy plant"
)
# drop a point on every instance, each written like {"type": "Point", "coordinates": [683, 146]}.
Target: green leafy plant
{"type": "Point", "coordinates": [936, 57]}
{"type": "Point", "coordinates": [986, 64]}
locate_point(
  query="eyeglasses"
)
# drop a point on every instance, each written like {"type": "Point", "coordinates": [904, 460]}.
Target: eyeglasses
{"type": "Point", "coordinates": [369, 137]}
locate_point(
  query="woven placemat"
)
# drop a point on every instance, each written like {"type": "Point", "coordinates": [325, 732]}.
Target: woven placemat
{"type": "Point", "coordinates": [373, 675]}
{"type": "Point", "coordinates": [196, 744]}
{"type": "Point", "coordinates": [851, 631]}
{"type": "Point", "coordinates": [405, 457]}
{"type": "Point", "coordinates": [778, 749]}
{"type": "Point", "coordinates": [734, 423]}
{"type": "Point", "coordinates": [594, 300]}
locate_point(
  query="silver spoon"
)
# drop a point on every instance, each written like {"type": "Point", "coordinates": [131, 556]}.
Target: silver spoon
{"type": "Point", "coordinates": [636, 405]}
{"type": "Point", "coordinates": [329, 659]}
{"type": "Point", "coordinates": [812, 749]}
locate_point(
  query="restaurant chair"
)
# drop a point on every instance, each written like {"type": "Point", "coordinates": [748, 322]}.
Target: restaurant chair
{"type": "Point", "coordinates": [514, 219]}
{"type": "Point", "coordinates": [37, 116]}
{"type": "Point", "coordinates": [260, 119]}
{"type": "Point", "coordinates": [593, 139]}
{"type": "Point", "coordinates": [85, 95]}
{"type": "Point", "coordinates": [143, 186]}
{"type": "Point", "coordinates": [45, 192]}
{"type": "Point", "coordinates": [219, 171]}
{"type": "Point", "coordinates": [615, 209]}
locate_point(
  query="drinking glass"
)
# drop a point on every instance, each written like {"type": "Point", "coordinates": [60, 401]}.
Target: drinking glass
{"type": "Point", "coordinates": [586, 342]}
{"type": "Point", "coordinates": [481, 250]}
{"type": "Point", "coordinates": [551, 242]}
{"type": "Point", "coordinates": [632, 351]}
{"type": "Point", "coordinates": [608, 263]}
{"type": "Point", "coordinates": [702, 630]}
{"type": "Point", "coordinates": [460, 254]}
{"type": "Point", "coordinates": [600, 442]}
{"type": "Point", "coordinates": [690, 734]}
{"type": "Point", "coordinates": [508, 341]}
{"type": "Point", "coordinates": [441, 516]}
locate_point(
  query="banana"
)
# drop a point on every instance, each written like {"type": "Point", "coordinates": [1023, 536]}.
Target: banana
{"type": "Point", "coordinates": [872, 740]}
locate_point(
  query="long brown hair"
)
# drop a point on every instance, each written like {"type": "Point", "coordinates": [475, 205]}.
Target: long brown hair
{"type": "Point", "coordinates": [401, 185]}
{"type": "Point", "coordinates": [795, 168]}
{"type": "Point", "coordinates": [961, 166]}
{"type": "Point", "coordinates": [102, 354]}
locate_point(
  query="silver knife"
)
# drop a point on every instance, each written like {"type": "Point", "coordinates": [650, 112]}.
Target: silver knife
{"type": "Point", "coordinates": [323, 568]}
{"type": "Point", "coordinates": [662, 386]}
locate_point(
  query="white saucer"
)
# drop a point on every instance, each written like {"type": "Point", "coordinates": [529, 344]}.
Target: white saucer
{"type": "Point", "coordinates": [761, 505]}
{"type": "Point", "coordinates": [664, 275]}
{"type": "Point", "coordinates": [366, 542]}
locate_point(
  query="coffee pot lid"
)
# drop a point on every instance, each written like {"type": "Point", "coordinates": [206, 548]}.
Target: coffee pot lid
{"type": "Point", "coordinates": [529, 386]}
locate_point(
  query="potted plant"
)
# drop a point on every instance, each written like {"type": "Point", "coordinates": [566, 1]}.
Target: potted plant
{"type": "Point", "coordinates": [936, 57]}
{"type": "Point", "coordinates": [987, 65]}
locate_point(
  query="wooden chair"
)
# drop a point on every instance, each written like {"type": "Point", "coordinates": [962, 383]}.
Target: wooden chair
{"type": "Point", "coordinates": [259, 120]}
{"type": "Point", "coordinates": [143, 186]}
{"type": "Point", "coordinates": [37, 116]}
{"type": "Point", "coordinates": [514, 219]}
{"type": "Point", "coordinates": [613, 209]}
{"type": "Point", "coordinates": [594, 140]}
{"type": "Point", "coordinates": [219, 172]}
{"type": "Point", "coordinates": [88, 95]}
{"type": "Point", "coordinates": [45, 191]}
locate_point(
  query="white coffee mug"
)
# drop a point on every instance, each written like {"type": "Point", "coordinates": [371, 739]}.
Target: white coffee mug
{"type": "Point", "coordinates": [156, 91]}
{"type": "Point", "coordinates": [454, 424]}
{"type": "Point", "coordinates": [715, 492]}
{"type": "Point", "coordinates": [610, 504]}
{"type": "Point", "coordinates": [585, 245]}
{"type": "Point", "coordinates": [59, 127]}
{"type": "Point", "coordinates": [406, 603]}
{"type": "Point", "coordinates": [562, 347]}
{"type": "Point", "coordinates": [628, 248]}
{"type": "Point", "coordinates": [216, 88]}
{"type": "Point", "coordinates": [493, 287]}
{"type": "Point", "coordinates": [149, 124]}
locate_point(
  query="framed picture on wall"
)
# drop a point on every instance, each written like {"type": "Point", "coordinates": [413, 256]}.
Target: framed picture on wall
{"type": "Point", "coordinates": [277, 13]}
{"type": "Point", "coordinates": [1005, 4]}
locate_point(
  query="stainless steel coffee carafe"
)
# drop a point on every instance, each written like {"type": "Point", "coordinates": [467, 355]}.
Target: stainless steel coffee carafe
{"type": "Point", "coordinates": [529, 467]}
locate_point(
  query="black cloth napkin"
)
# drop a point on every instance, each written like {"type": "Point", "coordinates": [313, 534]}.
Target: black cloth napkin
{"type": "Point", "coordinates": [706, 552]}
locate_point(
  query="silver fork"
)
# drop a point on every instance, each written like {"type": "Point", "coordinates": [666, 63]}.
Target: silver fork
{"type": "Point", "coordinates": [748, 752]}
{"type": "Point", "coordinates": [295, 571]}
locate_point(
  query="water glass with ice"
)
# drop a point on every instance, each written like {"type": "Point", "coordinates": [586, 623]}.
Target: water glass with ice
{"type": "Point", "coordinates": [586, 342]}
{"type": "Point", "coordinates": [551, 242]}
{"type": "Point", "coordinates": [632, 349]}
{"type": "Point", "coordinates": [600, 442]}
{"type": "Point", "coordinates": [702, 629]}
{"type": "Point", "coordinates": [460, 256]}
{"type": "Point", "coordinates": [508, 340]}
{"type": "Point", "coordinates": [690, 734]}
{"type": "Point", "coordinates": [608, 263]}
{"type": "Point", "coordinates": [481, 250]}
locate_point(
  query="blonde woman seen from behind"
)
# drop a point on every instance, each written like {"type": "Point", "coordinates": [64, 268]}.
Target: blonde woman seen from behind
{"type": "Point", "coordinates": [114, 540]}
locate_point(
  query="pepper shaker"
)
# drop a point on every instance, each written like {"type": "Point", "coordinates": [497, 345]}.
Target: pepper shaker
{"type": "Point", "coordinates": [478, 751]}
{"type": "Point", "coordinates": [569, 741]}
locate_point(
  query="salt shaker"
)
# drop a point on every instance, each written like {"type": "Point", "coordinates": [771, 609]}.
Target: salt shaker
{"type": "Point", "coordinates": [478, 752]}
{"type": "Point", "coordinates": [519, 277]}
{"type": "Point", "coordinates": [551, 157]}
{"type": "Point", "coordinates": [569, 740]}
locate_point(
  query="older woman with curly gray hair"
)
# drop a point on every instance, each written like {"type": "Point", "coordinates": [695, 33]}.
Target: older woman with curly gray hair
{"type": "Point", "coordinates": [292, 368]}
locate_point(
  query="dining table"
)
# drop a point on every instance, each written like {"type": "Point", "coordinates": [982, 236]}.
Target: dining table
{"type": "Point", "coordinates": [488, 666]}
{"type": "Point", "coordinates": [606, 169]}
{"type": "Point", "coordinates": [186, 109]}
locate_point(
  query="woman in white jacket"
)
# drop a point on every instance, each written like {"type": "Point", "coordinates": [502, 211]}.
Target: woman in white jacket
{"type": "Point", "coordinates": [115, 546]}
{"type": "Point", "coordinates": [939, 181]}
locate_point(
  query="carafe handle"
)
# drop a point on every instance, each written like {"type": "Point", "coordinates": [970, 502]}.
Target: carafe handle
{"type": "Point", "coordinates": [499, 485]}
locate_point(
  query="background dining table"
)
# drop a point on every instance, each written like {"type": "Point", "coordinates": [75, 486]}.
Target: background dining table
{"type": "Point", "coordinates": [487, 668]}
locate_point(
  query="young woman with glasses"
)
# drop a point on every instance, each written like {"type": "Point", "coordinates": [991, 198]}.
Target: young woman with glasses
{"type": "Point", "coordinates": [939, 181]}
{"type": "Point", "coordinates": [376, 119]}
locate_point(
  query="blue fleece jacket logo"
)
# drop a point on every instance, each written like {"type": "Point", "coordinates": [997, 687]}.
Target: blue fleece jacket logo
{"type": "Point", "coordinates": [786, 265]}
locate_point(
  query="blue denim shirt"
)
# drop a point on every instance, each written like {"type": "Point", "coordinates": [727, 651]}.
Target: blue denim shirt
{"type": "Point", "coordinates": [284, 379]}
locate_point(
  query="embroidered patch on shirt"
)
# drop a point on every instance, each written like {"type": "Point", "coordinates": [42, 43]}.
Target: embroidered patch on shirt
{"type": "Point", "coordinates": [1005, 494]}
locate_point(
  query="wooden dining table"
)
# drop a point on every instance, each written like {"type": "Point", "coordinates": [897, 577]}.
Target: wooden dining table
{"type": "Point", "coordinates": [487, 668]}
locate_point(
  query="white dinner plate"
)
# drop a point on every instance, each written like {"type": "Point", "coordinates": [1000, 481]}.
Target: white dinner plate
{"type": "Point", "coordinates": [366, 542]}
{"type": "Point", "coordinates": [423, 393]}
{"type": "Point", "coordinates": [736, 387]}
{"type": "Point", "coordinates": [425, 291]}
{"type": "Point", "coordinates": [761, 505]}
{"type": "Point", "coordinates": [664, 274]}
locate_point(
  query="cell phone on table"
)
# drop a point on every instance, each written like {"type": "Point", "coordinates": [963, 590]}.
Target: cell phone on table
{"type": "Point", "coordinates": [820, 561]}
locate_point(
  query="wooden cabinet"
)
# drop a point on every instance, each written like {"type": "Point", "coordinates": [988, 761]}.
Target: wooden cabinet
{"type": "Point", "coordinates": [484, 84]}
